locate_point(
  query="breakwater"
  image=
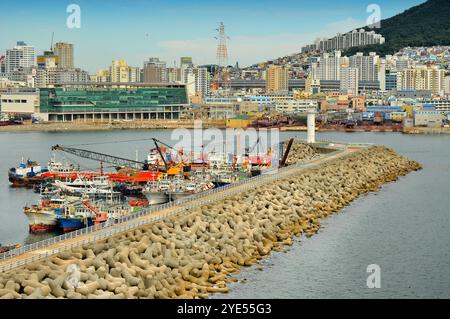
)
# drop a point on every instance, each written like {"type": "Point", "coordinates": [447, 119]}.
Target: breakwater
{"type": "Point", "coordinates": [192, 255]}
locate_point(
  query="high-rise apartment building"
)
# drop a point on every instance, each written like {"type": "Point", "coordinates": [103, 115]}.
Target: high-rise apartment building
{"type": "Point", "coordinates": [102, 76]}
{"type": "Point", "coordinates": [186, 62]}
{"type": "Point", "coordinates": [356, 38]}
{"type": "Point", "coordinates": [21, 56]}
{"type": "Point", "coordinates": [277, 79]}
{"type": "Point", "coordinates": [65, 53]}
{"type": "Point", "coordinates": [2, 64]}
{"type": "Point", "coordinates": [155, 71]}
{"type": "Point", "coordinates": [368, 66]}
{"type": "Point", "coordinates": [422, 78]}
{"type": "Point", "coordinates": [328, 67]}
{"type": "Point", "coordinates": [197, 80]}
{"type": "Point", "coordinates": [174, 75]}
{"type": "Point", "coordinates": [349, 80]}
{"type": "Point", "coordinates": [122, 73]}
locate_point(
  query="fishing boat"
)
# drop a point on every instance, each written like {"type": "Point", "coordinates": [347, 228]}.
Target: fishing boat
{"type": "Point", "coordinates": [81, 185]}
{"type": "Point", "coordinates": [75, 217]}
{"type": "Point", "coordinates": [155, 192]}
{"type": "Point", "coordinates": [27, 174]}
{"type": "Point", "coordinates": [43, 216]}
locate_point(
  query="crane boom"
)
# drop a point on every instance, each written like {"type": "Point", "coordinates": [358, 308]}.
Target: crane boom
{"type": "Point", "coordinates": [100, 157]}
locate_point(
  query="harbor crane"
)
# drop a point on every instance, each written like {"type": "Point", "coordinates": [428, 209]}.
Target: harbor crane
{"type": "Point", "coordinates": [103, 158]}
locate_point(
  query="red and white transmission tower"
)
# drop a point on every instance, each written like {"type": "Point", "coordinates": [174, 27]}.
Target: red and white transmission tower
{"type": "Point", "coordinates": [221, 78]}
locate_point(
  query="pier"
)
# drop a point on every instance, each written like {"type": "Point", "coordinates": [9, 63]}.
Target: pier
{"type": "Point", "coordinates": [40, 250]}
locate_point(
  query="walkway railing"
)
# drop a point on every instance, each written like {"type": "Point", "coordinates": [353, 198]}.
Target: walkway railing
{"type": "Point", "coordinates": [108, 229]}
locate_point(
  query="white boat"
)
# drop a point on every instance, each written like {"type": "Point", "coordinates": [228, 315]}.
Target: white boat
{"type": "Point", "coordinates": [98, 186]}
{"type": "Point", "coordinates": [156, 195]}
{"type": "Point", "coordinates": [58, 167]}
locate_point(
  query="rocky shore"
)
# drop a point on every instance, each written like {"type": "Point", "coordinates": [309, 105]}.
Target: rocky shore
{"type": "Point", "coordinates": [195, 254]}
{"type": "Point", "coordinates": [108, 126]}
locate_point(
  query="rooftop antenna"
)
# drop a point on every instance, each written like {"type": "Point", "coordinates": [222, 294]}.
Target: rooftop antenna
{"type": "Point", "coordinates": [51, 44]}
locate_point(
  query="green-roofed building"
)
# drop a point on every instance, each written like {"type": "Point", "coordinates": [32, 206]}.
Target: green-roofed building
{"type": "Point", "coordinates": [113, 101]}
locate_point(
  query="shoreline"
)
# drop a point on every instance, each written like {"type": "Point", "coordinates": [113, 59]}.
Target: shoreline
{"type": "Point", "coordinates": [196, 253]}
{"type": "Point", "coordinates": [189, 124]}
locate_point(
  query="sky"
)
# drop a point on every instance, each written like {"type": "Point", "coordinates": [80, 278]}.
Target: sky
{"type": "Point", "coordinates": [135, 30]}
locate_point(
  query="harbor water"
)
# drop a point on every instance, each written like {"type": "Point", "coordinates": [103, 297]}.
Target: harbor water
{"type": "Point", "coordinates": [404, 228]}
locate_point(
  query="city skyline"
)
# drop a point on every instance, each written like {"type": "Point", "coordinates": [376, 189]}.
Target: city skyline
{"type": "Point", "coordinates": [176, 30]}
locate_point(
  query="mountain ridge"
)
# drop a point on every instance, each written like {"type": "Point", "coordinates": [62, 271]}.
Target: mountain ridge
{"type": "Point", "coordinates": [427, 24]}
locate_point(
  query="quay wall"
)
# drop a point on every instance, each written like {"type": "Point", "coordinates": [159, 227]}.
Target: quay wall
{"type": "Point", "coordinates": [193, 254]}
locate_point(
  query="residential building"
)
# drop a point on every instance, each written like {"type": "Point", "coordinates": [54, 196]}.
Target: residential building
{"type": "Point", "coordinates": [174, 75]}
{"type": "Point", "coordinates": [328, 67]}
{"type": "Point", "coordinates": [121, 72]}
{"type": "Point", "coordinates": [72, 76]}
{"type": "Point", "coordinates": [447, 85]}
{"type": "Point", "coordinates": [155, 71]}
{"type": "Point", "coordinates": [356, 38]}
{"type": "Point", "coordinates": [349, 80]}
{"type": "Point", "coordinates": [22, 55]}
{"type": "Point", "coordinates": [277, 79]}
{"type": "Point", "coordinates": [368, 66]}
{"type": "Point", "coordinates": [422, 78]}
{"type": "Point", "coordinates": [102, 75]}
{"type": "Point", "coordinates": [65, 53]}
{"type": "Point", "coordinates": [186, 62]}
{"type": "Point", "coordinates": [197, 80]}
{"type": "Point", "coordinates": [2, 64]}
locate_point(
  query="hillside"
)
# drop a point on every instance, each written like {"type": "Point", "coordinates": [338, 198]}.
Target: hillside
{"type": "Point", "coordinates": [427, 24]}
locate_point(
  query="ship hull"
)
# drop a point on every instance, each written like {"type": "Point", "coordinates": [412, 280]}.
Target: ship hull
{"type": "Point", "coordinates": [41, 221]}
{"type": "Point", "coordinates": [25, 181]}
{"type": "Point", "coordinates": [177, 196]}
{"type": "Point", "coordinates": [68, 224]}
{"type": "Point", "coordinates": [156, 198]}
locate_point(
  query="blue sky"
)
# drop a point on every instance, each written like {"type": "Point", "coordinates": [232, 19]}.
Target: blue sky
{"type": "Point", "coordinates": [138, 29]}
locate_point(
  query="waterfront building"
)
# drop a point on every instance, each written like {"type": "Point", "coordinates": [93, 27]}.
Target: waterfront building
{"type": "Point", "coordinates": [428, 116]}
{"type": "Point", "coordinates": [290, 106]}
{"type": "Point", "coordinates": [277, 79]}
{"type": "Point", "coordinates": [22, 55]}
{"type": "Point", "coordinates": [65, 53]}
{"type": "Point", "coordinates": [23, 102]}
{"type": "Point", "coordinates": [112, 101]}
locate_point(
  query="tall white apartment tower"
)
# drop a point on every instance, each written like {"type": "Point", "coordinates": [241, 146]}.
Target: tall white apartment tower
{"type": "Point", "coordinates": [22, 55]}
{"type": "Point", "coordinates": [367, 65]}
{"type": "Point", "coordinates": [349, 80]}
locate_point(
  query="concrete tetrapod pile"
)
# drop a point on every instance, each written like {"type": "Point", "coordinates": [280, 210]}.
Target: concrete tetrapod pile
{"type": "Point", "coordinates": [194, 254]}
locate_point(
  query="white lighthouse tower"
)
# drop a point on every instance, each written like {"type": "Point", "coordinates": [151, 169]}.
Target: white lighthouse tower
{"type": "Point", "coordinates": [311, 126]}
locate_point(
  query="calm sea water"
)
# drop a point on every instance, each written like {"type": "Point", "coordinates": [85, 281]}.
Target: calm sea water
{"type": "Point", "coordinates": [404, 228]}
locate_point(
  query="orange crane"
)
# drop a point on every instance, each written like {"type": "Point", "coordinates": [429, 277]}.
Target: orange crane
{"type": "Point", "coordinates": [100, 216]}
